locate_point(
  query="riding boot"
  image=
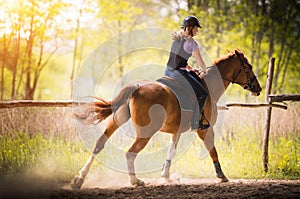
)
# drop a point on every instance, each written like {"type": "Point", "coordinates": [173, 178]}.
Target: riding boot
{"type": "Point", "coordinates": [196, 123]}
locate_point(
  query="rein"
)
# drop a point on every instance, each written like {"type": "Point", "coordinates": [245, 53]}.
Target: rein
{"type": "Point", "coordinates": [250, 80]}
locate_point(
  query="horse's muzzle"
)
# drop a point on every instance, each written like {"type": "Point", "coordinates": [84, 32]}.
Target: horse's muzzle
{"type": "Point", "coordinates": [255, 91]}
{"type": "Point", "coordinates": [254, 94]}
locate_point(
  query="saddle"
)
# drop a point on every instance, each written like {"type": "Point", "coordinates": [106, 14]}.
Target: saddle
{"type": "Point", "coordinates": [183, 92]}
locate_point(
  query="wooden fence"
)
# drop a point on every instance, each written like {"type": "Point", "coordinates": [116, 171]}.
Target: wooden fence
{"type": "Point", "coordinates": [270, 99]}
{"type": "Point", "coordinates": [36, 103]}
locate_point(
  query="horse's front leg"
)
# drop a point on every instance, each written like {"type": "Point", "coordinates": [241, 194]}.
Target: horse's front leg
{"type": "Point", "coordinates": [170, 155]}
{"type": "Point", "coordinates": [208, 138]}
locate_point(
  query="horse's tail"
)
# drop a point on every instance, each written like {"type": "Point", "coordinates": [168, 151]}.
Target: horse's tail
{"type": "Point", "coordinates": [95, 112]}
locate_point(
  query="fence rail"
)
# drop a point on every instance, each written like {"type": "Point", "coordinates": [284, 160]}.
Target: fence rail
{"type": "Point", "coordinates": [36, 103]}
{"type": "Point", "coordinates": [247, 105]}
{"type": "Point", "coordinates": [70, 103]}
{"type": "Point", "coordinates": [283, 97]}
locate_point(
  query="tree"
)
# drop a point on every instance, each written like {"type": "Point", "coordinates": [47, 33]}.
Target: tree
{"type": "Point", "coordinates": [34, 42]}
{"type": "Point", "coordinates": [285, 18]}
{"type": "Point", "coordinates": [80, 9]}
{"type": "Point", "coordinates": [264, 28]}
{"type": "Point", "coordinates": [40, 18]}
{"type": "Point", "coordinates": [11, 40]}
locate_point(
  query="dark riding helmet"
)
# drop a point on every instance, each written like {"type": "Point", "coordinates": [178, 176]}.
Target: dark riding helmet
{"type": "Point", "coordinates": [190, 21]}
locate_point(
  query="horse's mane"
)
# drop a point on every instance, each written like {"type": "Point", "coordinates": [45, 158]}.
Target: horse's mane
{"type": "Point", "coordinates": [229, 55]}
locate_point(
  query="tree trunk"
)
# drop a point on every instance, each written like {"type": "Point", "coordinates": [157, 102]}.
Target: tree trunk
{"type": "Point", "coordinates": [2, 80]}
{"type": "Point", "coordinates": [3, 66]}
{"type": "Point", "coordinates": [29, 48]}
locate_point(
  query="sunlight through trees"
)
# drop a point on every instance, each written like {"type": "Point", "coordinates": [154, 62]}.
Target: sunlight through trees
{"type": "Point", "coordinates": [43, 43]}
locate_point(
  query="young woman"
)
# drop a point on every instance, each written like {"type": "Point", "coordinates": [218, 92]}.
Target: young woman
{"type": "Point", "coordinates": [183, 47]}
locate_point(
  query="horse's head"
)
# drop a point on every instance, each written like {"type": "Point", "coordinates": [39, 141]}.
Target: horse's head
{"type": "Point", "coordinates": [243, 74]}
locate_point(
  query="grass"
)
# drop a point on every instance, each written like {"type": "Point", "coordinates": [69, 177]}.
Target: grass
{"type": "Point", "coordinates": [239, 147]}
{"type": "Point", "coordinates": [242, 158]}
{"type": "Point", "coordinates": [59, 156]}
{"type": "Point", "coordinates": [42, 156]}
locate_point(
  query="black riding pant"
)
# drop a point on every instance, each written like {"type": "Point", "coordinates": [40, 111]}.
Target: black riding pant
{"type": "Point", "coordinates": [194, 81]}
{"type": "Point", "coordinates": [199, 90]}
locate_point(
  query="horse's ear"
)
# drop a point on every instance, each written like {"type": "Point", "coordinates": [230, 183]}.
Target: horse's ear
{"type": "Point", "coordinates": [237, 53]}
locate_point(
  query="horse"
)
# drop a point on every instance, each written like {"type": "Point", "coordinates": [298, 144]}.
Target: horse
{"type": "Point", "coordinates": [153, 107]}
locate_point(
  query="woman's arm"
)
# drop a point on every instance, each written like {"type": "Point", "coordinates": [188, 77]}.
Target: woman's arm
{"type": "Point", "coordinates": [200, 60]}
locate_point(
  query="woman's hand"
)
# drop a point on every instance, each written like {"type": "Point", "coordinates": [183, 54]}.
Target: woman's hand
{"type": "Point", "coordinates": [188, 67]}
{"type": "Point", "coordinates": [202, 74]}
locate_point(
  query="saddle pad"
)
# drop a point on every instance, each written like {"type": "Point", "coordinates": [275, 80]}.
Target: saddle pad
{"type": "Point", "coordinates": [184, 95]}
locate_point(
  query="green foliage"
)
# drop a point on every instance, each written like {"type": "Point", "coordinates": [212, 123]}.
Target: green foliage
{"type": "Point", "coordinates": [260, 28]}
{"type": "Point", "coordinates": [284, 158]}
{"type": "Point", "coordinates": [239, 147]}
{"type": "Point", "coordinates": [241, 157]}
{"type": "Point", "coordinates": [57, 78]}
{"type": "Point", "coordinates": [57, 154]}
{"type": "Point", "coordinates": [53, 158]}
{"type": "Point", "coordinates": [18, 153]}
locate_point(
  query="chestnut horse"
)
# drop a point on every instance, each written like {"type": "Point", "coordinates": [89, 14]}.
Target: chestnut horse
{"type": "Point", "coordinates": [154, 107]}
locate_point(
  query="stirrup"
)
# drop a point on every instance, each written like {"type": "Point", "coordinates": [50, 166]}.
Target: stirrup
{"type": "Point", "coordinates": [203, 126]}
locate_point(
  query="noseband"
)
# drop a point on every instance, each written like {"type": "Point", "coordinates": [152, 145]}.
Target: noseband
{"type": "Point", "coordinates": [250, 80]}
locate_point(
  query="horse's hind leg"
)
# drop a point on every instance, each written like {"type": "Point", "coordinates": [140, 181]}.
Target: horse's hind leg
{"type": "Point", "coordinates": [109, 130]}
{"type": "Point", "coordinates": [131, 154]}
{"type": "Point", "coordinates": [120, 117]}
{"type": "Point", "coordinates": [170, 155]}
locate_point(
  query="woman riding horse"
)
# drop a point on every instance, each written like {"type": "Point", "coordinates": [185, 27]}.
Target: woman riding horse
{"type": "Point", "coordinates": [153, 107]}
{"type": "Point", "coordinates": [183, 47]}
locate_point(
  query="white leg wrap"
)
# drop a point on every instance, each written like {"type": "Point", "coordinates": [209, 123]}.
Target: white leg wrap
{"type": "Point", "coordinates": [84, 171]}
{"type": "Point", "coordinates": [171, 151]}
{"type": "Point", "coordinates": [170, 155]}
{"type": "Point", "coordinates": [172, 147]}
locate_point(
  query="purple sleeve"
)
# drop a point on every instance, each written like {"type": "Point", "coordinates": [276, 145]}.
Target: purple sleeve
{"type": "Point", "coordinates": [190, 45]}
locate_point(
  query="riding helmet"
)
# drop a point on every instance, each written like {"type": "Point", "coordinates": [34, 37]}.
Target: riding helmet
{"type": "Point", "coordinates": [190, 21]}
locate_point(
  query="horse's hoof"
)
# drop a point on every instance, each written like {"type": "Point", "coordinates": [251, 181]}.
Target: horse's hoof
{"type": "Point", "coordinates": [76, 183]}
{"type": "Point", "coordinates": [223, 179]}
{"type": "Point", "coordinates": [138, 183]}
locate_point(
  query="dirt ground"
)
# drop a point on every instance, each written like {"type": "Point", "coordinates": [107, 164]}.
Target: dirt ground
{"type": "Point", "coordinates": [159, 188]}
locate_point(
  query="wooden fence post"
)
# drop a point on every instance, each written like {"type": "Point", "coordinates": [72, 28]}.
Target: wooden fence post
{"type": "Point", "coordinates": [265, 144]}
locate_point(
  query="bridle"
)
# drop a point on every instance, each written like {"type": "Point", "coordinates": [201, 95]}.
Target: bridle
{"type": "Point", "coordinates": [249, 84]}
